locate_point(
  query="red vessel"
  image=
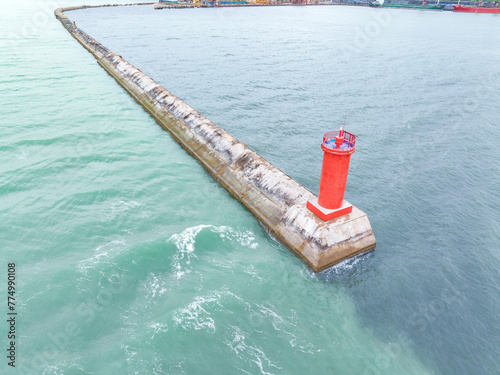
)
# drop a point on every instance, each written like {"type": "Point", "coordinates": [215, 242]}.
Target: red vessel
{"type": "Point", "coordinates": [459, 8]}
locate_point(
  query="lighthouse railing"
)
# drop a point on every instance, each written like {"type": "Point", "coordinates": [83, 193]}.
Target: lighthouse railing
{"type": "Point", "coordinates": [349, 137]}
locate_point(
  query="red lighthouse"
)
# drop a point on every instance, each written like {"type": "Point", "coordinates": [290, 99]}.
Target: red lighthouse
{"type": "Point", "coordinates": [338, 146]}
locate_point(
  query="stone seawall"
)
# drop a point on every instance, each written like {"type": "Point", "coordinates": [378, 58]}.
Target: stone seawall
{"type": "Point", "coordinates": [275, 199]}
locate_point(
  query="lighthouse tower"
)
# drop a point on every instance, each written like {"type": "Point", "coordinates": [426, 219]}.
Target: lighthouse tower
{"type": "Point", "coordinates": [338, 146]}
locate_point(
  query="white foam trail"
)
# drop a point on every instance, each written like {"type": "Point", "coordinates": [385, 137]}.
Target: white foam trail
{"type": "Point", "coordinates": [48, 287]}
{"type": "Point", "coordinates": [101, 253]}
{"type": "Point", "coordinates": [194, 315]}
{"type": "Point", "coordinates": [158, 328]}
{"type": "Point", "coordinates": [155, 286]}
{"type": "Point", "coordinates": [250, 270]}
{"type": "Point", "coordinates": [246, 238]}
{"type": "Point", "coordinates": [185, 243]}
{"type": "Point", "coordinates": [344, 265]}
{"type": "Point", "coordinates": [287, 326]}
{"type": "Point", "coordinates": [250, 353]}
{"type": "Point", "coordinates": [130, 354]}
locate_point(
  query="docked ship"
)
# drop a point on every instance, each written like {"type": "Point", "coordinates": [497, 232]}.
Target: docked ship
{"type": "Point", "coordinates": [411, 4]}
{"type": "Point", "coordinates": [487, 8]}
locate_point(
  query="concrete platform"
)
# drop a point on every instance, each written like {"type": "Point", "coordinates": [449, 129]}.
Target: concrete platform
{"type": "Point", "coordinates": [325, 214]}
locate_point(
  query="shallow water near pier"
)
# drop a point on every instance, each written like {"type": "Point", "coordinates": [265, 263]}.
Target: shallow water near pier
{"type": "Point", "coordinates": [132, 259]}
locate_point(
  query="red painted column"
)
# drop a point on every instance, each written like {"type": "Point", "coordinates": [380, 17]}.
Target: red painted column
{"type": "Point", "coordinates": [338, 146]}
{"type": "Point", "coordinates": [334, 176]}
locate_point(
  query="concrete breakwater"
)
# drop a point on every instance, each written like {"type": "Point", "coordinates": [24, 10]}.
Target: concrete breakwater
{"type": "Point", "coordinates": [275, 199]}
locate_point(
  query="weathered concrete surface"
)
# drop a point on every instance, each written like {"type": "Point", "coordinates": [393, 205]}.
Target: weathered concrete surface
{"type": "Point", "coordinates": [275, 199]}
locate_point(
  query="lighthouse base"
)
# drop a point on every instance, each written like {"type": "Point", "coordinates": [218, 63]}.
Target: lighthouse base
{"type": "Point", "coordinates": [325, 214]}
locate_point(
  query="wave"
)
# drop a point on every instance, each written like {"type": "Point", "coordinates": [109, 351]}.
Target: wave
{"type": "Point", "coordinates": [185, 244]}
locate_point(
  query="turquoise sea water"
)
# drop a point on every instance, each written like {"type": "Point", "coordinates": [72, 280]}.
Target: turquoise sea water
{"type": "Point", "coordinates": [132, 260]}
